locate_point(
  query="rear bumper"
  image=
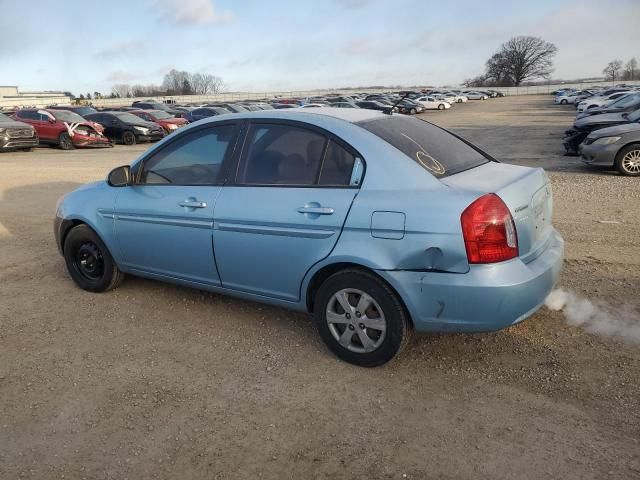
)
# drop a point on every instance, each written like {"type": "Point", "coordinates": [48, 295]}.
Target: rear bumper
{"type": "Point", "coordinates": [487, 298]}
{"type": "Point", "coordinates": [601, 155]}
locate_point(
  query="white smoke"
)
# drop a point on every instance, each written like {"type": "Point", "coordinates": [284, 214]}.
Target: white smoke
{"type": "Point", "coordinates": [621, 322]}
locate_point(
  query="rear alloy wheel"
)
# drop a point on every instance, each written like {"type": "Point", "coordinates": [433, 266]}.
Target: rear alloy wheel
{"type": "Point", "coordinates": [441, 107]}
{"type": "Point", "coordinates": [360, 318]}
{"type": "Point", "coordinates": [89, 262]}
{"type": "Point", "coordinates": [628, 161]}
{"type": "Point", "coordinates": [65, 142]}
{"type": "Point", "coordinates": [563, 102]}
{"type": "Point", "coordinates": [129, 138]}
{"type": "Point", "coordinates": [413, 111]}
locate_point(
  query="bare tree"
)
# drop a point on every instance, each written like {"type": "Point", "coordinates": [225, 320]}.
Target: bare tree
{"type": "Point", "coordinates": [612, 70]}
{"type": "Point", "coordinates": [174, 82]}
{"type": "Point", "coordinates": [525, 58]}
{"type": "Point", "coordinates": [520, 59]}
{"type": "Point", "coordinates": [121, 90]}
{"type": "Point", "coordinates": [630, 69]}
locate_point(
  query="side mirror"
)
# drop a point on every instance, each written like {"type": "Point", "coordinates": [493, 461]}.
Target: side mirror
{"type": "Point", "coordinates": [120, 176]}
{"type": "Point", "coordinates": [52, 120]}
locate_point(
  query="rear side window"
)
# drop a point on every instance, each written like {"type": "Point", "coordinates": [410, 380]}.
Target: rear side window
{"type": "Point", "coordinates": [282, 155]}
{"type": "Point", "coordinates": [337, 166]}
{"type": "Point", "coordinates": [433, 148]}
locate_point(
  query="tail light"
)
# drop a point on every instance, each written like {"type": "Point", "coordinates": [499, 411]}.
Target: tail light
{"type": "Point", "coordinates": [488, 230]}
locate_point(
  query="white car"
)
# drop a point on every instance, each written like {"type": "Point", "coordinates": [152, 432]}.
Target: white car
{"type": "Point", "coordinates": [476, 96]}
{"type": "Point", "coordinates": [599, 101]}
{"type": "Point", "coordinates": [447, 97]}
{"type": "Point", "coordinates": [459, 98]}
{"type": "Point", "coordinates": [431, 103]}
{"type": "Point", "coordinates": [566, 98]}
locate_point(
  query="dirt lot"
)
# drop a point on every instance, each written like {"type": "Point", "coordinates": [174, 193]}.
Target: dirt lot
{"type": "Point", "coordinates": [157, 381]}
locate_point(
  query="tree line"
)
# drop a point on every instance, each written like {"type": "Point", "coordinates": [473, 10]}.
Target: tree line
{"type": "Point", "coordinates": [615, 70]}
{"type": "Point", "coordinates": [176, 82]}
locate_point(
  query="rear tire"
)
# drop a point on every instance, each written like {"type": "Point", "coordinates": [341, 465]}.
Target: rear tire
{"type": "Point", "coordinates": [563, 102]}
{"type": "Point", "coordinates": [65, 142]}
{"type": "Point", "coordinates": [441, 107]}
{"type": "Point", "coordinates": [89, 262]}
{"type": "Point", "coordinates": [129, 138]}
{"type": "Point", "coordinates": [373, 327]}
{"type": "Point", "coordinates": [628, 161]}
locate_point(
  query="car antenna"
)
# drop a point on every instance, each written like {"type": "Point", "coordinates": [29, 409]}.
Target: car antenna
{"type": "Point", "coordinates": [389, 110]}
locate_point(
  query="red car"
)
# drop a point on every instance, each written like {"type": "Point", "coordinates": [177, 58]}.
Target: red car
{"type": "Point", "coordinates": [63, 128]}
{"type": "Point", "coordinates": [165, 120]}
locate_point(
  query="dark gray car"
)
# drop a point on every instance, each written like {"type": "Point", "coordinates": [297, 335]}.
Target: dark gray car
{"type": "Point", "coordinates": [16, 135]}
{"type": "Point", "coordinates": [617, 147]}
{"type": "Point", "coordinates": [581, 128]}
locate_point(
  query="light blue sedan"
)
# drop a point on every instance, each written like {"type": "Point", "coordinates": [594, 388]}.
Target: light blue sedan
{"type": "Point", "coordinates": [377, 224]}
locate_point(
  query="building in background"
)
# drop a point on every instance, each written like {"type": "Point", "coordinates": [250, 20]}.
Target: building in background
{"type": "Point", "coordinates": [11, 97]}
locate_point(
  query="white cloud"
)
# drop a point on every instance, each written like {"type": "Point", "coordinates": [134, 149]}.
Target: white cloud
{"type": "Point", "coordinates": [121, 76]}
{"type": "Point", "coordinates": [120, 49]}
{"type": "Point", "coordinates": [192, 12]}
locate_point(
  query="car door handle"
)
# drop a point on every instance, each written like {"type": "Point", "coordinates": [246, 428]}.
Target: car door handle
{"type": "Point", "coordinates": [317, 210]}
{"type": "Point", "coordinates": [193, 204]}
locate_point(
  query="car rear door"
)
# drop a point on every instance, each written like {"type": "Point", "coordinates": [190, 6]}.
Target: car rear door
{"type": "Point", "coordinates": [164, 221]}
{"type": "Point", "coordinates": [286, 208]}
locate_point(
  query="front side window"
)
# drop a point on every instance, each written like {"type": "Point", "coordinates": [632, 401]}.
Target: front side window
{"type": "Point", "coordinates": [282, 155]}
{"type": "Point", "coordinates": [193, 159]}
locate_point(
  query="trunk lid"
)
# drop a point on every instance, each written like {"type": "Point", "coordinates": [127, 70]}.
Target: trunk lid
{"type": "Point", "coordinates": [526, 192]}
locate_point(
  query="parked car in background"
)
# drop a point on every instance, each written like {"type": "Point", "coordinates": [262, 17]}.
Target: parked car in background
{"type": "Point", "coordinates": [627, 103]}
{"type": "Point", "coordinates": [155, 106]}
{"type": "Point", "coordinates": [127, 128]}
{"type": "Point", "coordinates": [205, 112]}
{"type": "Point", "coordinates": [344, 105]}
{"type": "Point", "coordinates": [600, 100]}
{"type": "Point", "coordinates": [375, 105]}
{"type": "Point", "coordinates": [81, 110]}
{"type": "Point", "coordinates": [473, 95]}
{"type": "Point", "coordinates": [162, 118]}
{"type": "Point", "coordinates": [15, 135]}
{"type": "Point", "coordinates": [375, 224]}
{"type": "Point", "coordinates": [63, 128]}
{"type": "Point", "coordinates": [431, 103]}
{"type": "Point", "coordinates": [581, 128]}
{"type": "Point", "coordinates": [409, 107]}
{"type": "Point", "coordinates": [617, 147]}
{"type": "Point", "coordinates": [566, 98]}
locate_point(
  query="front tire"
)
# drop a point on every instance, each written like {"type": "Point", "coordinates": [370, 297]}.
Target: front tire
{"type": "Point", "coordinates": [563, 102]}
{"type": "Point", "coordinates": [360, 319]}
{"type": "Point", "coordinates": [65, 142]}
{"type": "Point", "coordinates": [89, 262]}
{"type": "Point", "coordinates": [441, 107]}
{"type": "Point", "coordinates": [628, 161]}
{"type": "Point", "coordinates": [129, 138]}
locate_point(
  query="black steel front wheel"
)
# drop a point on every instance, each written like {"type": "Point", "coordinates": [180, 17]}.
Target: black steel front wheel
{"type": "Point", "coordinates": [89, 262]}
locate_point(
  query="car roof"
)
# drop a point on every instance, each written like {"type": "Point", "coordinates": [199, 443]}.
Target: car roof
{"type": "Point", "coordinates": [351, 115]}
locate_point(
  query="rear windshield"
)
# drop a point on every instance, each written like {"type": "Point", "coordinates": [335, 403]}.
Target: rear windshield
{"type": "Point", "coordinates": [434, 149]}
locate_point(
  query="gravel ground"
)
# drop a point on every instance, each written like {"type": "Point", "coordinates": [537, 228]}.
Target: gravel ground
{"type": "Point", "coordinates": [157, 381]}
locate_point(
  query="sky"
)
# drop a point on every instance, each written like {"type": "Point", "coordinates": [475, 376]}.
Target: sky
{"type": "Point", "coordinates": [264, 45]}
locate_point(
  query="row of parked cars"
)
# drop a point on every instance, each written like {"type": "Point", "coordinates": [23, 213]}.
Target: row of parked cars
{"type": "Point", "coordinates": [606, 131]}
{"type": "Point", "coordinates": [146, 121]}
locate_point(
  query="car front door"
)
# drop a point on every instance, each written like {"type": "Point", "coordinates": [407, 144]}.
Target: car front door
{"type": "Point", "coordinates": [164, 221]}
{"type": "Point", "coordinates": [293, 188]}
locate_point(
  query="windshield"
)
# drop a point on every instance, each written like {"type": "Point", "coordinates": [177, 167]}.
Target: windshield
{"type": "Point", "coordinates": [66, 116]}
{"type": "Point", "coordinates": [4, 118]}
{"type": "Point", "coordinates": [128, 117]}
{"type": "Point", "coordinates": [435, 149]}
{"type": "Point", "coordinates": [83, 111]}
{"type": "Point", "coordinates": [160, 114]}
{"type": "Point", "coordinates": [634, 116]}
{"type": "Point", "coordinates": [625, 101]}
